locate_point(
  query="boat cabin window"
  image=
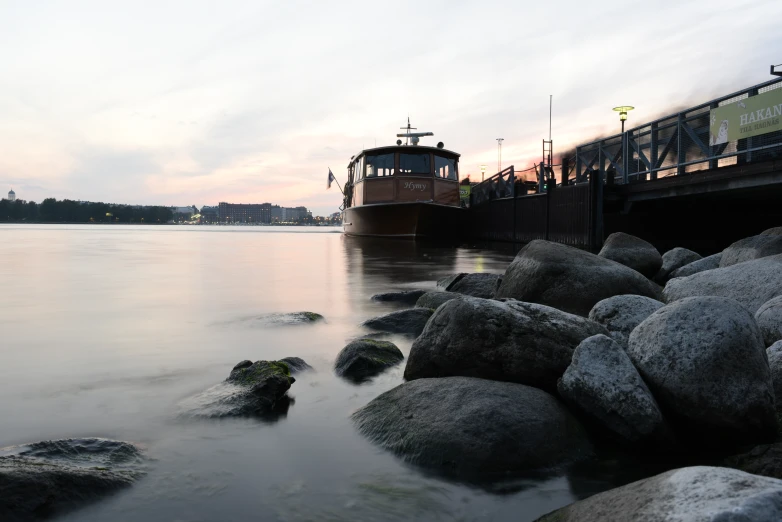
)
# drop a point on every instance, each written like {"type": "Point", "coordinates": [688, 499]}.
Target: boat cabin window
{"type": "Point", "coordinates": [359, 169]}
{"type": "Point", "coordinates": [445, 168]}
{"type": "Point", "coordinates": [380, 165]}
{"type": "Point", "coordinates": [416, 164]}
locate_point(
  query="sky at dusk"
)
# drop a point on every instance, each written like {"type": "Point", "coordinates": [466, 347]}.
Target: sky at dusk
{"type": "Point", "coordinates": [194, 102]}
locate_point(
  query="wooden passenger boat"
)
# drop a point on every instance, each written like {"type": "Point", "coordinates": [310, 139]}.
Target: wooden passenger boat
{"type": "Point", "coordinates": [403, 191]}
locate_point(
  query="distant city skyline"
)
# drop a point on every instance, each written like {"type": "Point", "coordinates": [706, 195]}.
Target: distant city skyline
{"type": "Point", "coordinates": [180, 103]}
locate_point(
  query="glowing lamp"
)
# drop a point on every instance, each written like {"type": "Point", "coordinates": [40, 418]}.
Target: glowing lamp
{"type": "Point", "coordinates": [623, 110]}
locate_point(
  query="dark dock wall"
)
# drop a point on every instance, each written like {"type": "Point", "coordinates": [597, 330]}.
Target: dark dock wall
{"type": "Point", "coordinates": [569, 215]}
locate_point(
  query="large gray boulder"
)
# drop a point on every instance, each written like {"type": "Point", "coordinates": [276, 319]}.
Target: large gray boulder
{"type": "Point", "coordinates": [751, 248]}
{"type": "Point", "coordinates": [410, 321]}
{"type": "Point", "coordinates": [569, 279]}
{"type": "Point", "coordinates": [697, 494]}
{"type": "Point", "coordinates": [433, 300]}
{"type": "Point", "coordinates": [775, 231]}
{"type": "Point", "coordinates": [752, 283]}
{"type": "Point", "coordinates": [252, 388]}
{"type": "Point", "coordinates": [44, 479]}
{"type": "Point", "coordinates": [701, 265]}
{"type": "Point", "coordinates": [464, 425]}
{"type": "Point", "coordinates": [475, 285]}
{"type": "Point", "coordinates": [506, 341]}
{"type": "Point", "coordinates": [365, 358]}
{"type": "Point", "coordinates": [673, 260]}
{"type": "Point", "coordinates": [408, 297]}
{"type": "Point", "coordinates": [769, 319]}
{"type": "Point", "coordinates": [774, 353]}
{"type": "Point", "coordinates": [622, 313]}
{"type": "Point", "coordinates": [705, 362]}
{"type": "Point", "coordinates": [603, 385]}
{"type": "Point", "coordinates": [632, 251]}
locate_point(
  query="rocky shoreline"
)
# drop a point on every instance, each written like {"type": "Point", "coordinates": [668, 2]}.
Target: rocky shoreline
{"type": "Point", "coordinates": [672, 357]}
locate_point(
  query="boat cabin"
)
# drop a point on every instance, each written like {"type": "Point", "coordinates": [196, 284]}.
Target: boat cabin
{"type": "Point", "coordinates": [403, 174]}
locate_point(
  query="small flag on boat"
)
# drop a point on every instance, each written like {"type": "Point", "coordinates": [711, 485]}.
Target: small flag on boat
{"type": "Point", "coordinates": [331, 178]}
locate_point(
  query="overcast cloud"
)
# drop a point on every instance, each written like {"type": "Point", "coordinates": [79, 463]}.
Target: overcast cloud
{"type": "Point", "coordinates": [197, 102]}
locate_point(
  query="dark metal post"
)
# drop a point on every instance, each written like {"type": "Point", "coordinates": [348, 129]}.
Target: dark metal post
{"type": "Point", "coordinates": [653, 151]}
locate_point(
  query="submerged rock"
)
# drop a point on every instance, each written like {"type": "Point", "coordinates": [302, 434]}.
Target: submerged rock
{"type": "Point", "coordinates": [704, 360]}
{"type": "Point", "coordinates": [750, 248]}
{"type": "Point", "coordinates": [633, 252]}
{"type": "Point", "coordinates": [603, 384]}
{"type": "Point", "coordinates": [252, 388]}
{"type": "Point", "coordinates": [751, 283]}
{"type": "Point", "coordinates": [622, 313]}
{"type": "Point", "coordinates": [408, 297]}
{"type": "Point", "coordinates": [296, 364]}
{"type": "Point", "coordinates": [673, 260]}
{"type": "Point", "coordinates": [701, 265]}
{"type": "Point", "coordinates": [506, 341]}
{"type": "Point", "coordinates": [433, 300]}
{"type": "Point", "coordinates": [769, 319]}
{"type": "Point", "coordinates": [410, 321]}
{"type": "Point", "coordinates": [366, 358]}
{"type": "Point", "coordinates": [569, 279]}
{"type": "Point", "coordinates": [688, 494]}
{"type": "Point", "coordinates": [280, 319]}
{"type": "Point", "coordinates": [43, 479]}
{"type": "Point", "coordinates": [463, 425]}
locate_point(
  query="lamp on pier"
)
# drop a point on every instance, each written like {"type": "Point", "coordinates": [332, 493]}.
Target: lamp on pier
{"type": "Point", "coordinates": [483, 172]}
{"type": "Point", "coordinates": [623, 110]}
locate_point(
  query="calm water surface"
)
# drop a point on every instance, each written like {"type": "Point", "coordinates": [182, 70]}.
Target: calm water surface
{"type": "Point", "coordinates": [104, 330]}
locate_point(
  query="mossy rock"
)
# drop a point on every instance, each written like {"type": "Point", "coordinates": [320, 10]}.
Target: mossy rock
{"type": "Point", "coordinates": [365, 358]}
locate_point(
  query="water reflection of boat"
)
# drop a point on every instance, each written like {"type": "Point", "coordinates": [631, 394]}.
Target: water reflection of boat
{"type": "Point", "coordinates": [403, 191]}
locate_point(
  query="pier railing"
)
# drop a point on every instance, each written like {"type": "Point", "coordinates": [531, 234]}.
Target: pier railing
{"type": "Point", "coordinates": [677, 144]}
{"type": "Point", "coordinates": [500, 185]}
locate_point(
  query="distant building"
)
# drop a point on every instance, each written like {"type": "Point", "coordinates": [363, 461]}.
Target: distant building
{"type": "Point", "coordinates": [209, 214]}
{"type": "Point", "coordinates": [276, 213]}
{"type": "Point", "coordinates": [295, 214]}
{"type": "Point", "coordinates": [11, 195]}
{"type": "Point", "coordinates": [244, 212]}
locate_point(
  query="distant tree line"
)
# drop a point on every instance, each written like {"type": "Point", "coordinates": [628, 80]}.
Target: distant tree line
{"type": "Point", "coordinates": [68, 211]}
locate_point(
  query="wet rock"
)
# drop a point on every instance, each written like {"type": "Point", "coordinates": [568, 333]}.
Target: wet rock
{"type": "Point", "coordinates": [752, 283]}
{"type": "Point", "coordinates": [765, 459]}
{"type": "Point", "coordinates": [769, 319]}
{"type": "Point", "coordinates": [776, 231]}
{"type": "Point", "coordinates": [407, 298]}
{"type": "Point", "coordinates": [281, 319]}
{"type": "Point", "coordinates": [704, 360]}
{"type": "Point", "coordinates": [44, 479]}
{"type": "Point", "coordinates": [444, 283]}
{"type": "Point", "coordinates": [569, 279]}
{"type": "Point", "coordinates": [463, 425]}
{"type": "Point", "coordinates": [622, 313]}
{"type": "Point", "coordinates": [701, 265]}
{"type": "Point", "coordinates": [506, 341]}
{"type": "Point", "coordinates": [603, 384]}
{"type": "Point", "coordinates": [688, 494]}
{"type": "Point", "coordinates": [410, 321]}
{"type": "Point", "coordinates": [673, 260]}
{"type": "Point", "coordinates": [365, 358]}
{"type": "Point", "coordinates": [433, 300]}
{"type": "Point", "coordinates": [751, 248]}
{"type": "Point", "coordinates": [296, 364]}
{"type": "Point", "coordinates": [774, 353]}
{"type": "Point", "coordinates": [252, 388]}
{"type": "Point", "coordinates": [633, 252]}
{"type": "Point", "coordinates": [476, 285]}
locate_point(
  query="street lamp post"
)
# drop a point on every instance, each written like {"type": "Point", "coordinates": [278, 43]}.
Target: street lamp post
{"type": "Point", "coordinates": [483, 172]}
{"type": "Point", "coordinates": [623, 110]}
{"type": "Point", "coordinates": [499, 154]}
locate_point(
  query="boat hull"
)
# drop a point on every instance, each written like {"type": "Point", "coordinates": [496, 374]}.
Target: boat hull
{"type": "Point", "coordinates": [404, 220]}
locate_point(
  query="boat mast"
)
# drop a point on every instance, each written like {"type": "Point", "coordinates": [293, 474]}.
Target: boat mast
{"type": "Point", "coordinates": [408, 129]}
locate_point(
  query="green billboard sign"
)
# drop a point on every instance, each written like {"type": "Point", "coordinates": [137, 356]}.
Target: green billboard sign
{"type": "Point", "coordinates": [745, 118]}
{"type": "Point", "coordinates": [464, 192]}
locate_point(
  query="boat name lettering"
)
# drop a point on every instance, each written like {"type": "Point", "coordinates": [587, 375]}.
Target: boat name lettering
{"type": "Point", "coordinates": [415, 186]}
